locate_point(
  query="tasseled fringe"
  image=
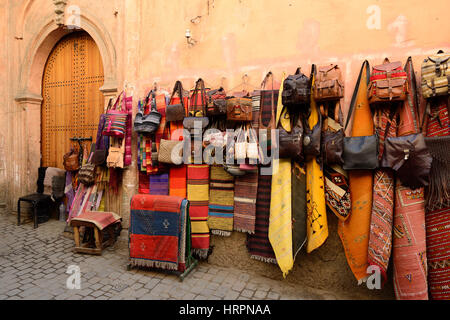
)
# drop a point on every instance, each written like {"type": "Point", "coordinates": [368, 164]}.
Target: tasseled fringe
{"type": "Point", "coordinates": [244, 230]}
{"type": "Point", "coordinates": [200, 253]}
{"type": "Point", "coordinates": [264, 259]}
{"type": "Point", "coordinates": [438, 191]}
{"type": "Point", "coordinates": [222, 233]}
{"type": "Point", "coordinates": [154, 264]}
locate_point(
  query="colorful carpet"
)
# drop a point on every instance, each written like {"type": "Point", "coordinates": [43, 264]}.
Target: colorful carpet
{"type": "Point", "coordinates": [155, 230]}
{"type": "Point", "coordinates": [159, 184]}
{"type": "Point", "coordinates": [438, 253]}
{"type": "Point", "coordinates": [100, 219]}
{"type": "Point", "coordinates": [245, 192]}
{"type": "Point", "coordinates": [380, 237]}
{"type": "Point", "coordinates": [258, 244]}
{"type": "Point", "coordinates": [198, 196]}
{"type": "Point", "coordinates": [221, 201]}
{"type": "Point", "coordinates": [354, 232]}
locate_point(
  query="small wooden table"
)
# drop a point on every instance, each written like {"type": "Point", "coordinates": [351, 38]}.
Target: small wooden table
{"type": "Point", "coordinates": [97, 246]}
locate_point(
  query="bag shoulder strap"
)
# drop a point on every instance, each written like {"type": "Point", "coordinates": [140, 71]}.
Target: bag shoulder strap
{"type": "Point", "coordinates": [355, 92]}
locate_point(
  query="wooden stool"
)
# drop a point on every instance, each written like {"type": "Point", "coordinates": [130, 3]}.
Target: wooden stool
{"type": "Point", "coordinates": [98, 235]}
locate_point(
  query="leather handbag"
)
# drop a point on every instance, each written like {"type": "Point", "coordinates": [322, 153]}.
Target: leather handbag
{"type": "Point", "coordinates": [216, 104]}
{"type": "Point", "coordinates": [329, 84]}
{"type": "Point", "coordinates": [239, 109]}
{"type": "Point", "coordinates": [296, 89]}
{"type": "Point", "coordinates": [116, 120]}
{"type": "Point", "coordinates": [176, 112]}
{"type": "Point", "coordinates": [436, 75]}
{"type": "Point", "coordinates": [148, 123]}
{"type": "Point", "coordinates": [71, 160]}
{"type": "Point", "coordinates": [333, 140]}
{"type": "Point", "coordinates": [410, 158]}
{"type": "Point", "coordinates": [291, 143]}
{"type": "Point", "coordinates": [388, 82]}
{"type": "Point", "coordinates": [359, 153]}
{"type": "Point", "coordinates": [311, 139]}
{"type": "Point", "coordinates": [197, 111]}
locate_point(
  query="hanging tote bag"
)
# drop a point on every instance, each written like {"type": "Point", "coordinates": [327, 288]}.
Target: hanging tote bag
{"type": "Point", "coordinates": [177, 111]}
{"type": "Point", "coordinates": [197, 109]}
{"type": "Point", "coordinates": [170, 151]}
{"type": "Point", "coordinates": [360, 152]}
{"type": "Point", "coordinates": [216, 103]}
{"type": "Point", "coordinates": [147, 123]}
{"type": "Point", "coordinates": [116, 120]}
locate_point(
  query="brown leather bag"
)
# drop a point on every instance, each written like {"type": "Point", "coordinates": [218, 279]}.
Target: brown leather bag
{"type": "Point", "coordinates": [291, 143]}
{"type": "Point", "coordinates": [239, 109]}
{"type": "Point", "coordinates": [333, 139]}
{"type": "Point", "coordinates": [176, 112]}
{"type": "Point", "coordinates": [71, 160]}
{"type": "Point", "coordinates": [388, 82]}
{"type": "Point", "coordinates": [328, 84]}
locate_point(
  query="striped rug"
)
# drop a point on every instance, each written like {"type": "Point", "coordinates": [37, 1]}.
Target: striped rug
{"type": "Point", "coordinates": [245, 192]}
{"type": "Point", "coordinates": [221, 201]}
{"type": "Point", "coordinates": [198, 196]}
{"type": "Point", "coordinates": [159, 184]}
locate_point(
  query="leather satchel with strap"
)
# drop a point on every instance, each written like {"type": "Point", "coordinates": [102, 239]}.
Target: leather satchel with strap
{"type": "Point", "coordinates": [176, 112]}
{"type": "Point", "coordinates": [408, 155]}
{"type": "Point", "coordinates": [296, 90]}
{"type": "Point", "coordinates": [388, 82]}
{"type": "Point", "coordinates": [332, 137]}
{"type": "Point", "coordinates": [329, 84]}
{"type": "Point", "coordinates": [436, 75]}
{"type": "Point", "coordinates": [116, 154]}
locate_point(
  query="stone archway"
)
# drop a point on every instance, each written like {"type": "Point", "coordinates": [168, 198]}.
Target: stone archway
{"type": "Point", "coordinates": [29, 98]}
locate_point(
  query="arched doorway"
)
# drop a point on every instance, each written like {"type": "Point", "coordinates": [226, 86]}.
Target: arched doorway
{"type": "Point", "coordinates": [72, 100]}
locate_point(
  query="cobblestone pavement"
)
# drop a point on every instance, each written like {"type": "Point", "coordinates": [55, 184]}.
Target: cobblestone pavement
{"type": "Point", "coordinates": [33, 265]}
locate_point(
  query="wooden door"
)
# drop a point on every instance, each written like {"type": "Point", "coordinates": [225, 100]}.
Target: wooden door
{"type": "Point", "coordinates": [72, 101]}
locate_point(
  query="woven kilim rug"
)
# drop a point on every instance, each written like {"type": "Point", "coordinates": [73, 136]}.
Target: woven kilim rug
{"type": "Point", "coordinates": [380, 237]}
{"type": "Point", "coordinates": [245, 191]}
{"type": "Point", "coordinates": [198, 196]}
{"type": "Point", "coordinates": [438, 253]}
{"type": "Point", "coordinates": [159, 184]}
{"type": "Point", "coordinates": [258, 243]}
{"type": "Point", "coordinates": [354, 232]}
{"type": "Point", "coordinates": [221, 201]}
{"type": "Point", "coordinates": [155, 229]}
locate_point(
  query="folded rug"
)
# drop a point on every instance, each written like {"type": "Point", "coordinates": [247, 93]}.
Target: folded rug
{"type": "Point", "coordinates": [100, 219]}
{"type": "Point", "coordinates": [245, 192]}
{"type": "Point", "coordinates": [198, 196]}
{"type": "Point", "coordinates": [155, 231]}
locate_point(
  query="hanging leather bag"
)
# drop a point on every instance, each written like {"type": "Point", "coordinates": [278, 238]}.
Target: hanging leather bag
{"type": "Point", "coordinates": [409, 155]}
{"type": "Point", "coordinates": [329, 84]}
{"type": "Point", "coordinates": [388, 82]}
{"type": "Point", "coordinates": [333, 140]}
{"type": "Point", "coordinates": [239, 109]}
{"type": "Point", "coordinates": [291, 143]}
{"type": "Point", "coordinates": [436, 75]}
{"type": "Point", "coordinates": [176, 112]}
{"type": "Point", "coordinates": [116, 153]}
{"type": "Point", "coordinates": [71, 160]}
{"type": "Point", "coordinates": [360, 153]}
{"type": "Point", "coordinates": [296, 89]}
{"type": "Point", "coordinates": [312, 138]}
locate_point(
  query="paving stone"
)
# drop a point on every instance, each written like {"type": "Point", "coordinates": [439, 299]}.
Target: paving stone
{"type": "Point", "coordinates": [231, 295]}
{"type": "Point", "coordinates": [247, 293]}
{"type": "Point", "coordinates": [273, 295]}
{"type": "Point", "coordinates": [260, 294]}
